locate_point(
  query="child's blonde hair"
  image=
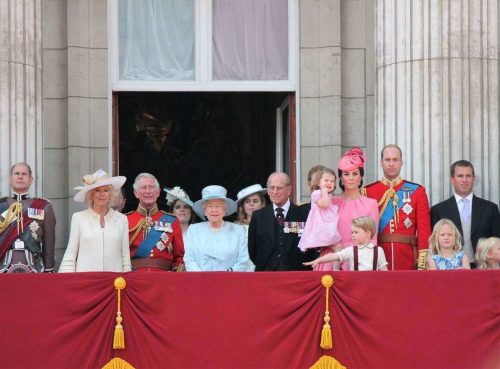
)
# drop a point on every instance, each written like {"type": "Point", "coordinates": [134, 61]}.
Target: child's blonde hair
{"type": "Point", "coordinates": [316, 178]}
{"type": "Point", "coordinates": [367, 224]}
{"type": "Point", "coordinates": [434, 247]}
{"type": "Point", "coordinates": [484, 245]}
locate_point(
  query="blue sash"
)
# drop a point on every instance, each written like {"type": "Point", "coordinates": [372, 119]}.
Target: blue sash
{"type": "Point", "coordinates": [152, 238]}
{"type": "Point", "coordinates": [409, 188]}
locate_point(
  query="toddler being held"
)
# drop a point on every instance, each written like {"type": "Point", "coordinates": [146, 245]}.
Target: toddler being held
{"type": "Point", "coordinates": [321, 230]}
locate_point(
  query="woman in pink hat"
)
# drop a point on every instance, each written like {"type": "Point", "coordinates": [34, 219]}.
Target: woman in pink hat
{"type": "Point", "coordinates": [351, 203]}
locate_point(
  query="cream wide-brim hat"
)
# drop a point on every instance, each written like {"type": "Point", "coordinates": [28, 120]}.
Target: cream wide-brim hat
{"type": "Point", "coordinates": [214, 192]}
{"type": "Point", "coordinates": [98, 179]}
{"type": "Point", "coordinates": [177, 193]}
{"type": "Point", "coordinates": [250, 190]}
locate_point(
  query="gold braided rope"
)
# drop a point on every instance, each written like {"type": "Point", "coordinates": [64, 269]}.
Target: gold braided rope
{"type": "Point", "coordinates": [14, 211]}
{"type": "Point", "coordinates": [388, 195]}
{"type": "Point", "coordinates": [137, 229]}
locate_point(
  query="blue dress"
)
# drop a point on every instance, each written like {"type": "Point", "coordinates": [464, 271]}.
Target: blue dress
{"type": "Point", "coordinates": [207, 251]}
{"type": "Point", "coordinates": [448, 263]}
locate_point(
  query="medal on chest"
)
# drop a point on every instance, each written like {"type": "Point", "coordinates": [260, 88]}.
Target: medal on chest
{"type": "Point", "coordinates": [407, 208]}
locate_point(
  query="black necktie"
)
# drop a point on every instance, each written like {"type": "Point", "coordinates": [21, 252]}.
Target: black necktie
{"type": "Point", "coordinates": [280, 217]}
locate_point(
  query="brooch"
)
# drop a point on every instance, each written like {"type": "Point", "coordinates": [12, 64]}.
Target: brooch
{"type": "Point", "coordinates": [34, 227]}
{"type": "Point", "coordinates": [407, 223]}
{"type": "Point", "coordinates": [160, 246]}
{"type": "Point", "coordinates": [407, 208]}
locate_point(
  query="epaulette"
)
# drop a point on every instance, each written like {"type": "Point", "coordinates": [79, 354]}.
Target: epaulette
{"type": "Point", "coordinates": [371, 184]}
{"type": "Point", "coordinates": [413, 183]}
{"type": "Point", "coordinates": [169, 214]}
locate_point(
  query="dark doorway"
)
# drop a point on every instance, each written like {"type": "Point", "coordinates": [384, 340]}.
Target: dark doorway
{"type": "Point", "coordinates": [193, 139]}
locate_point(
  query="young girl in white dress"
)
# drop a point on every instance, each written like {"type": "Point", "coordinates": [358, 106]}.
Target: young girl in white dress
{"type": "Point", "coordinates": [445, 245]}
{"type": "Point", "coordinates": [321, 230]}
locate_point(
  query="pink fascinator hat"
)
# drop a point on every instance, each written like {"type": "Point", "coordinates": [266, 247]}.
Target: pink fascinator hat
{"type": "Point", "coordinates": [353, 159]}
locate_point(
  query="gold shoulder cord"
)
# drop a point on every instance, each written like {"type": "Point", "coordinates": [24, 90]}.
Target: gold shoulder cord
{"type": "Point", "coordinates": [13, 212]}
{"type": "Point", "coordinates": [137, 229]}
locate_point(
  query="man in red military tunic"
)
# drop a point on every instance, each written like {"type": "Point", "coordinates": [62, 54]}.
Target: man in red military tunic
{"type": "Point", "coordinates": [155, 236]}
{"type": "Point", "coordinates": [405, 222]}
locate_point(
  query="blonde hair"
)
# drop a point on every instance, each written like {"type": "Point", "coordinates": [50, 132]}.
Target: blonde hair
{"type": "Point", "coordinates": [316, 178]}
{"type": "Point", "coordinates": [434, 246]}
{"type": "Point", "coordinates": [484, 245]}
{"type": "Point", "coordinates": [113, 194]}
{"type": "Point", "coordinates": [365, 223]}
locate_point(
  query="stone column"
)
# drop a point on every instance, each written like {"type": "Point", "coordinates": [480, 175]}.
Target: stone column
{"type": "Point", "coordinates": [20, 89]}
{"type": "Point", "coordinates": [437, 70]}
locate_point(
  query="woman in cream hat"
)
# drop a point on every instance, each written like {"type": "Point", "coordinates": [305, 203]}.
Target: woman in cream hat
{"type": "Point", "coordinates": [215, 245]}
{"type": "Point", "coordinates": [249, 199]}
{"type": "Point", "coordinates": [181, 206]}
{"type": "Point", "coordinates": [98, 239]}
{"type": "Point", "coordinates": [351, 203]}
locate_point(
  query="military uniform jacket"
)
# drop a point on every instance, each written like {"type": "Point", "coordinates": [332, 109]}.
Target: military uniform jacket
{"type": "Point", "coordinates": [39, 235]}
{"type": "Point", "coordinates": [410, 219]}
{"type": "Point", "coordinates": [169, 247]}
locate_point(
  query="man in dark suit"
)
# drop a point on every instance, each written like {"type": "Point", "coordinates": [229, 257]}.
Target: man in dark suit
{"type": "Point", "coordinates": [474, 217]}
{"type": "Point", "coordinates": [274, 231]}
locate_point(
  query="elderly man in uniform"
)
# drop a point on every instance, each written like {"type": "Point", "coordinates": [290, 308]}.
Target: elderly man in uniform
{"type": "Point", "coordinates": [405, 222]}
{"type": "Point", "coordinates": [155, 236]}
{"type": "Point", "coordinates": [27, 227]}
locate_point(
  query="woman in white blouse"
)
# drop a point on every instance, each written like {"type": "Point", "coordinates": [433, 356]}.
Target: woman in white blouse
{"type": "Point", "coordinates": [98, 240]}
{"type": "Point", "coordinates": [215, 245]}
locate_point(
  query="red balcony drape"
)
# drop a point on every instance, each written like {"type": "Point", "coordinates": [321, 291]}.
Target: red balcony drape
{"type": "Point", "coordinates": [429, 319]}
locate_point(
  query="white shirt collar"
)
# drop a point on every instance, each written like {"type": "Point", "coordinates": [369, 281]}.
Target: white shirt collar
{"type": "Point", "coordinates": [468, 197]}
{"type": "Point", "coordinates": [284, 207]}
{"type": "Point", "coordinates": [369, 246]}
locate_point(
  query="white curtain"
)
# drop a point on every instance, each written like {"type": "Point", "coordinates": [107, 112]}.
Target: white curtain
{"type": "Point", "coordinates": [156, 40]}
{"type": "Point", "coordinates": [250, 39]}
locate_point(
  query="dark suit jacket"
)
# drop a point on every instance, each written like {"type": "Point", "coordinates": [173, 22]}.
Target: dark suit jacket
{"type": "Point", "coordinates": [264, 234]}
{"type": "Point", "coordinates": [485, 217]}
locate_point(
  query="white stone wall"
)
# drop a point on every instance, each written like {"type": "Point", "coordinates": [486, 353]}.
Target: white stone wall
{"type": "Point", "coordinates": [75, 113]}
{"type": "Point", "coordinates": [336, 83]}
{"type": "Point", "coordinates": [20, 85]}
{"type": "Point", "coordinates": [438, 78]}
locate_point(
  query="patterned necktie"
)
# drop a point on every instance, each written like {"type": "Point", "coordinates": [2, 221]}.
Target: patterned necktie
{"type": "Point", "coordinates": [280, 217]}
{"type": "Point", "coordinates": [465, 210]}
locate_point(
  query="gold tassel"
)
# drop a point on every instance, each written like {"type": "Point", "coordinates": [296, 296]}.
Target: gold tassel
{"type": "Point", "coordinates": [119, 336]}
{"type": "Point", "coordinates": [422, 259]}
{"type": "Point", "coordinates": [327, 362]}
{"type": "Point", "coordinates": [326, 332]}
{"type": "Point", "coordinates": [117, 363]}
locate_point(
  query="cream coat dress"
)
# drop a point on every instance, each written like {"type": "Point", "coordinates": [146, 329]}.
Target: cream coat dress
{"type": "Point", "coordinates": [95, 249]}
